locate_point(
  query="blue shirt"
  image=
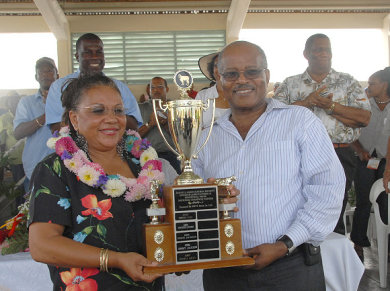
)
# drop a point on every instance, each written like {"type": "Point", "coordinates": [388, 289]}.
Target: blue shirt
{"type": "Point", "coordinates": [54, 108]}
{"type": "Point", "coordinates": [29, 108]}
{"type": "Point", "coordinates": [290, 178]}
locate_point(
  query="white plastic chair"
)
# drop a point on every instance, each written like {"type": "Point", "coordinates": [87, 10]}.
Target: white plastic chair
{"type": "Point", "coordinates": [382, 232]}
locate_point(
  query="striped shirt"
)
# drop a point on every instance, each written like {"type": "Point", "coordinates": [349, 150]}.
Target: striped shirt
{"type": "Point", "coordinates": [290, 178]}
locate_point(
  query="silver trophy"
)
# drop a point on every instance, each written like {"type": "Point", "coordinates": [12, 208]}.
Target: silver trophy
{"type": "Point", "coordinates": [184, 121]}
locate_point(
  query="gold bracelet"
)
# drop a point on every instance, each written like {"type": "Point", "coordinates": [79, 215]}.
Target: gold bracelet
{"type": "Point", "coordinates": [40, 125]}
{"type": "Point", "coordinates": [103, 259]}
{"type": "Point", "coordinates": [331, 108]}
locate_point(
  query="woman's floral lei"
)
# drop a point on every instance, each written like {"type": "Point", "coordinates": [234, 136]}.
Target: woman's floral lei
{"type": "Point", "coordinates": [93, 174]}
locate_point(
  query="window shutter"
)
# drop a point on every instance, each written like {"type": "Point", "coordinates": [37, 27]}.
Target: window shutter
{"type": "Point", "coordinates": [137, 57]}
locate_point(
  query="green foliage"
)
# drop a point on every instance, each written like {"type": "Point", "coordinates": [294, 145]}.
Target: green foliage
{"type": "Point", "coordinates": [18, 242]}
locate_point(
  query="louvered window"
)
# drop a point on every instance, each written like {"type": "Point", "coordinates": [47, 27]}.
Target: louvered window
{"type": "Point", "coordinates": [136, 57]}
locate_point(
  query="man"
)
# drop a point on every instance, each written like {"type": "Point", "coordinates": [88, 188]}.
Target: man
{"type": "Point", "coordinates": [90, 56]}
{"type": "Point", "coordinates": [30, 118]}
{"type": "Point", "coordinates": [158, 90]}
{"type": "Point", "coordinates": [290, 179]}
{"type": "Point", "coordinates": [9, 146]}
{"type": "Point", "coordinates": [336, 98]}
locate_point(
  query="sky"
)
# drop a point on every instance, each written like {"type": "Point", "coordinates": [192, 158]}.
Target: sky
{"type": "Point", "coordinates": [18, 54]}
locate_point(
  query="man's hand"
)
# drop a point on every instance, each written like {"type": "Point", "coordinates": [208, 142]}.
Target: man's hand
{"type": "Point", "coordinates": [234, 192]}
{"type": "Point", "coordinates": [364, 156]}
{"type": "Point", "coordinates": [161, 120]}
{"type": "Point", "coordinates": [265, 254]}
{"type": "Point", "coordinates": [319, 98]}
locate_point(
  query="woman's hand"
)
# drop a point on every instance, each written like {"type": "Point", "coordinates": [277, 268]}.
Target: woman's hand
{"type": "Point", "coordinates": [133, 264]}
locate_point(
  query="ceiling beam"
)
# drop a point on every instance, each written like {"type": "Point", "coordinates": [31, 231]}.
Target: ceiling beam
{"type": "Point", "coordinates": [235, 19]}
{"type": "Point", "coordinates": [54, 17]}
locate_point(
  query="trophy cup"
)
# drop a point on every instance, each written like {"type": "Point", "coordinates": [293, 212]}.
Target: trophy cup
{"type": "Point", "coordinates": [192, 236]}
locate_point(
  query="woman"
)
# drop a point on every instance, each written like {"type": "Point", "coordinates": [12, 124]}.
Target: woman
{"type": "Point", "coordinates": [208, 66]}
{"type": "Point", "coordinates": [88, 199]}
{"type": "Point", "coordinates": [371, 151]}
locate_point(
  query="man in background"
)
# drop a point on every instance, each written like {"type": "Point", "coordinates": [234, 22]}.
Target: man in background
{"type": "Point", "coordinates": [336, 98]}
{"type": "Point", "coordinates": [30, 118]}
{"type": "Point", "coordinates": [11, 150]}
{"type": "Point", "coordinates": [90, 56]}
{"type": "Point", "coordinates": [158, 90]}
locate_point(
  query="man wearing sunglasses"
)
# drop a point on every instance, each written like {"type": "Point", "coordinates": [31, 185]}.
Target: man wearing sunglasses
{"type": "Point", "coordinates": [290, 179]}
{"type": "Point", "coordinates": [336, 98]}
{"type": "Point", "coordinates": [90, 56]}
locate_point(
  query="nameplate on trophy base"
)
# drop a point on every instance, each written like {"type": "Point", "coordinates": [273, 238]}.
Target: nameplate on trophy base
{"type": "Point", "coordinates": [199, 238]}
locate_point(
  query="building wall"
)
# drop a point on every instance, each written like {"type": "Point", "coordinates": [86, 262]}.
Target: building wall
{"type": "Point", "coordinates": [14, 24]}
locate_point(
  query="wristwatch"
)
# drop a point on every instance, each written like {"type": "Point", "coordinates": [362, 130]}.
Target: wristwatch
{"type": "Point", "coordinates": [288, 242]}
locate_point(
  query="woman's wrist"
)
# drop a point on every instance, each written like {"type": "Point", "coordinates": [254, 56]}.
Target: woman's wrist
{"type": "Point", "coordinates": [113, 259]}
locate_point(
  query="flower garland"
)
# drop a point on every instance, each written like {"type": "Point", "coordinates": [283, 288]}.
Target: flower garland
{"type": "Point", "coordinates": [93, 174]}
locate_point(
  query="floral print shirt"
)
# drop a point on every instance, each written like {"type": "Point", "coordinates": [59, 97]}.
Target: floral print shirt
{"type": "Point", "coordinates": [346, 91]}
{"type": "Point", "coordinates": [90, 217]}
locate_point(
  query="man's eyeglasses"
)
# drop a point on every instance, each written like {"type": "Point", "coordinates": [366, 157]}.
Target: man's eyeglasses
{"type": "Point", "coordinates": [100, 110]}
{"type": "Point", "coordinates": [249, 74]}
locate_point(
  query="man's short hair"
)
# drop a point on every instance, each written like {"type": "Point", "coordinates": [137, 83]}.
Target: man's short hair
{"type": "Point", "coordinates": [161, 78]}
{"type": "Point", "coordinates": [311, 39]}
{"type": "Point", "coordinates": [259, 49]}
{"type": "Point", "coordinates": [86, 36]}
{"type": "Point", "coordinates": [45, 61]}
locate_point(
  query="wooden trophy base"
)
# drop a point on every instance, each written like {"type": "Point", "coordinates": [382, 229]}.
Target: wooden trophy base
{"type": "Point", "coordinates": [231, 251]}
{"type": "Point", "coordinates": [193, 236]}
{"type": "Point", "coordinates": [170, 268]}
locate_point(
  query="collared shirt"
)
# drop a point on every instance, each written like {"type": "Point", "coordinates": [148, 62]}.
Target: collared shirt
{"type": "Point", "coordinates": [346, 91]}
{"type": "Point", "coordinates": [205, 95]}
{"type": "Point", "coordinates": [29, 108]}
{"type": "Point", "coordinates": [54, 108]}
{"type": "Point", "coordinates": [290, 178]}
{"type": "Point", "coordinates": [153, 134]}
{"type": "Point", "coordinates": [373, 136]}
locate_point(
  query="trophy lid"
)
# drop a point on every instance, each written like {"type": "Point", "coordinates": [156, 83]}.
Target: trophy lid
{"type": "Point", "coordinates": [183, 80]}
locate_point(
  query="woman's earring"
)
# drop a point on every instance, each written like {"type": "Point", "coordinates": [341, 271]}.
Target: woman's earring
{"type": "Point", "coordinates": [81, 142]}
{"type": "Point", "coordinates": [120, 147]}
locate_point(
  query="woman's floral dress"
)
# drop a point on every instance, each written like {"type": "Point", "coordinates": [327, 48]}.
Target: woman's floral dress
{"type": "Point", "coordinates": [90, 217]}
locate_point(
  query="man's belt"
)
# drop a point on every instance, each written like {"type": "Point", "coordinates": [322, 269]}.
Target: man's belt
{"type": "Point", "coordinates": [340, 145]}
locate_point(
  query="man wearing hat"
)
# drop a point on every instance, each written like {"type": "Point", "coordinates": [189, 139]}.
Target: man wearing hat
{"type": "Point", "coordinates": [208, 66]}
{"type": "Point", "coordinates": [30, 117]}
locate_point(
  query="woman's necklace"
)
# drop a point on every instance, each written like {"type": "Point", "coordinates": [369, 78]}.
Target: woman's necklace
{"type": "Point", "coordinates": [381, 102]}
{"type": "Point", "coordinates": [92, 174]}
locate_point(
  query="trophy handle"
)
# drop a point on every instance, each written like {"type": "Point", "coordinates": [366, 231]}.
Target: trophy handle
{"type": "Point", "coordinates": [163, 108]}
{"type": "Point", "coordinates": [205, 107]}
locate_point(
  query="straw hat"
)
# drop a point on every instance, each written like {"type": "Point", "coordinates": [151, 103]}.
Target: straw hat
{"type": "Point", "coordinates": [203, 63]}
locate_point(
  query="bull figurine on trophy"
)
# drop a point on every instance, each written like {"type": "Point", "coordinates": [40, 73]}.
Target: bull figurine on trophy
{"type": "Point", "coordinates": [193, 235]}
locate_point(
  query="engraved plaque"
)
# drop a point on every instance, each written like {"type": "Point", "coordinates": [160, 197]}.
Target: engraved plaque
{"type": "Point", "coordinates": [196, 224]}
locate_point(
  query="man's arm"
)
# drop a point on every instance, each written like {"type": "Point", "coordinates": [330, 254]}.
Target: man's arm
{"type": "Point", "coordinates": [131, 122]}
{"type": "Point", "coordinates": [351, 116]}
{"type": "Point", "coordinates": [362, 153]}
{"type": "Point", "coordinates": [29, 127]}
